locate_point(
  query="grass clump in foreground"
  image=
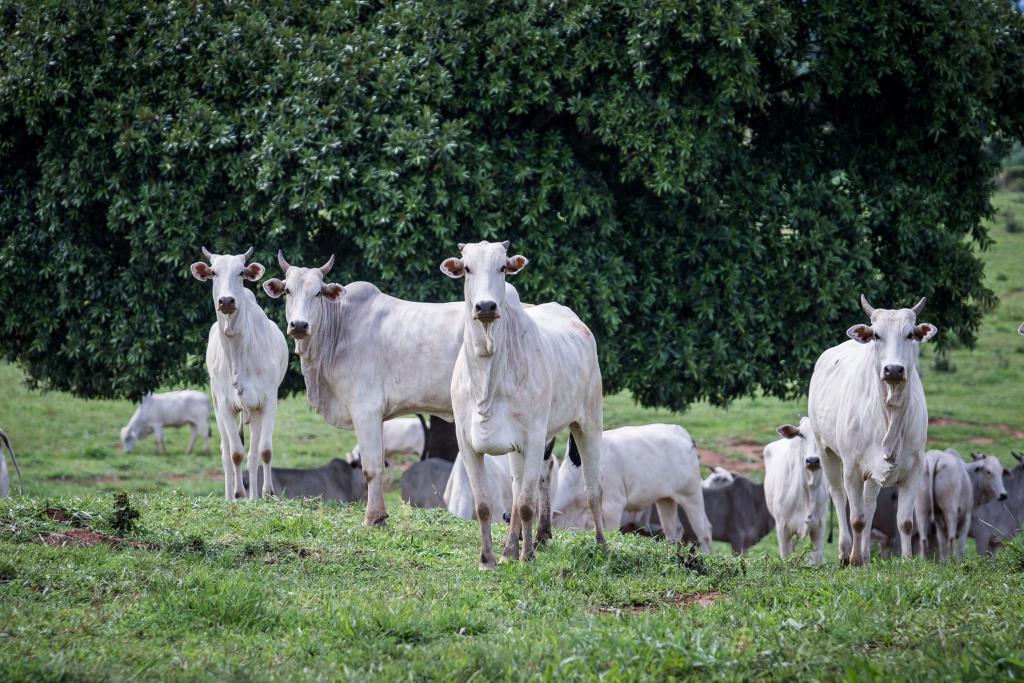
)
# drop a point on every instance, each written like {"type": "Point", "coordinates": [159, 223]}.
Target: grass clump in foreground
{"type": "Point", "coordinates": [208, 590]}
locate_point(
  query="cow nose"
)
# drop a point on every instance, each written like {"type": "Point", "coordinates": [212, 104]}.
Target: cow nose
{"type": "Point", "coordinates": [486, 309]}
{"type": "Point", "coordinates": [813, 462]}
{"type": "Point", "coordinates": [298, 327]}
{"type": "Point", "coordinates": [226, 302]}
{"type": "Point", "coordinates": [1003, 496]}
{"type": "Point", "coordinates": [893, 372]}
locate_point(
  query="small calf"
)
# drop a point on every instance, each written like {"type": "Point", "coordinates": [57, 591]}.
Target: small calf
{"type": "Point", "coordinates": [795, 488]}
{"type": "Point", "coordinates": [171, 409]}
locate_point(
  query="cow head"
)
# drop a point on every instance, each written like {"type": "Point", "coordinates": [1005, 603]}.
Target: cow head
{"type": "Point", "coordinates": [484, 265]}
{"type": "Point", "coordinates": [569, 507]}
{"type": "Point", "coordinates": [228, 273]}
{"type": "Point", "coordinates": [718, 478]}
{"type": "Point", "coordinates": [894, 334]}
{"type": "Point", "coordinates": [987, 475]}
{"type": "Point", "coordinates": [127, 439]}
{"type": "Point", "coordinates": [805, 440]}
{"type": "Point", "coordinates": [307, 294]}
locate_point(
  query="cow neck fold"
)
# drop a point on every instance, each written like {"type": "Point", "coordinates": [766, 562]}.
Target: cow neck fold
{"type": "Point", "coordinates": [318, 351]}
{"type": "Point", "coordinates": [238, 334]}
{"type": "Point", "coordinates": [895, 409]}
{"type": "Point", "coordinates": [497, 357]}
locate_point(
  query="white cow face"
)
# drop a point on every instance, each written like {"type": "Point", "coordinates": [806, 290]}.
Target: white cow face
{"type": "Point", "coordinates": [127, 440]}
{"type": "Point", "coordinates": [227, 273]}
{"type": "Point", "coordinates": [989, 473]}
{"type": "Point", "coordinates": [307, 295]}
{"type": "Point", "coordinates": [719, 478]}
{"type": "Point", "coordinates": [808, 445]}
{"type": "Point", "coordinates": [484, 265]}
{"type": "Point", "coordinates": [894, 334]}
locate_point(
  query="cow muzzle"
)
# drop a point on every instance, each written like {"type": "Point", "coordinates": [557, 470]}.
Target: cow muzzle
{"type": "Point", "coordinates": [813, 463]}
{"type": "Point", "coordinates": [486, 311]}
{"type": "Point", "coordinates": [226, 305]}
{"type": "Point", "coordinates": [298, 329]}
{"type": "Point", "coordinates": [894, 374]}
{"type": "Point", "coordinates": [1003, 496]}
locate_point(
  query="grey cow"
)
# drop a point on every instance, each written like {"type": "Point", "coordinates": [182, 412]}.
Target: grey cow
{"type": "Point", "coordinates": [337, 481]}
{"type": "Point", "coordinates": [999, 520]}
{"type": "Point", "coordinates": [423, 484]}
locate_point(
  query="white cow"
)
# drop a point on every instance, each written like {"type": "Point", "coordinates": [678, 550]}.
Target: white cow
{"type": "Point", "coordinates": [641, 466]}
{"type": "Point", "coordinates": [368, 357]}
{"type": "Point", "coordinates": [402, 436]}
{"type": "Point", "coordinates": [522, 375]}
{"type": "Point", "coordinates": [718, 478]}
{"type": "Point", "coordinates": [458, 494]}
{"type": "Point", "coordinates": [868, 411]}
{"type": "Point", "coordinates": [795, 489]}
{"type": "Point", "coordinates": [170, 409]}
{"type": "Point", "coordinates": [246, 358]}
{"type": "Point", "coordinates": [5, 480]}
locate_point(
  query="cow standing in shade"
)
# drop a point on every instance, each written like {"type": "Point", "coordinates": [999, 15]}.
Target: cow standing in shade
{"type": "Point", "coordinates": [523, 375]}
{"type": "Point", "coordinates": [867, 408]}
{"type": "Point", "coordinates": [246, 357]}
{"type": "Point", "coordinates": [795, 489]}
{"type": "Point", "coordinates": [368, 357]}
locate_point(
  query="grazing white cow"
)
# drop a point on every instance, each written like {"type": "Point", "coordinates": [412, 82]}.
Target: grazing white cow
{"type": "Point", "coordinates": [170, 409]}
{"type": "Point", "coordinates": [458, 494]}
{"type": "Point", "coordinates": [402, 436]}
{"type": "Point", "coordinates": [522, 375]}
{"type": "Point", "coordinates": [5, 480]}
{"type": "Point", "coordinates": [795, 489]}
{"type": "Point", "coordinates": [640, 466]}
{"type": "Point", "coordinates": [246, 358]}
{"type": "Point", "coordinates": [368, 357]}
{"type": "Point", "coordinates": [868, 412]}
{"type": "Point", "coordinates": [718, 478]}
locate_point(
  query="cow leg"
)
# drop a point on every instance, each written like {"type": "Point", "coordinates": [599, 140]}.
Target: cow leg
{"type": "Point", "coordinates": [515, 524]}
{"type": "Point", "coordinates": [370, 433]}
{"type": "Point", "coordinates": [192, 441]}
{"type": "Point", "coordinates": [588, 441]}
{"type": "Point", "coordinates": [870, 492]}
{"type": "Point", "coordinates": [782, 533]}
{"type": "Point", "coordinates": [231, 451]}
{"type": "Point", "coordinates": [544, 521]}
{"type": "Point", "coordinates": [693, 505]}
{"type": "Point", "coordinates": [528, 503]}
{"type": "Point", "coordinates": [833, 467]}
{"type": "Point", "coordinates": [206, 437]}
{"type": "Point", "coordinates": [668, 513]}
{"type": "Point", "coordinates": [474, 464]}
{"type": "Point", "coordinates": [905, 506]}
{"type": "Point", "coordinates": [854, 486]}
{"type": "Point", "coordinates": [965, 526]}
{"type": "Point", "coordinates": [158, 436]}
{"type": "Point", "coordinates": [816, 533]}
{"type": "Point", "coordinates": [255, 427]}
{"type": "Point", "coordinates": [266, 445]}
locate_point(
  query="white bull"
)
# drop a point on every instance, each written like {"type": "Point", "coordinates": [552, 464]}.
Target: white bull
{"type": "Point", "coordinates": [170, 409]}
{"type": "Point", "coordinates": [246, 357]}
{"type": "Point", "coordinates": [867, 408]}
{"type": "Point", "coordinates": [640, 466]}
{"type": "Point", "coordinates": [522, 375]}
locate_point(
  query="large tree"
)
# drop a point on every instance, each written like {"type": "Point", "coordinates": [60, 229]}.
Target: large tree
{"type": "Point", "coordinates": [708, 184]}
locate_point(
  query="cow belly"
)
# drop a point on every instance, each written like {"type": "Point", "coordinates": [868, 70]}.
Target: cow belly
{"type": "Point", "coordinates": [494, 435]}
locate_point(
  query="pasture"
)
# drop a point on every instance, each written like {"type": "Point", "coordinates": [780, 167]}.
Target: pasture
{"type": "Point", "coordinates": [207, 590]}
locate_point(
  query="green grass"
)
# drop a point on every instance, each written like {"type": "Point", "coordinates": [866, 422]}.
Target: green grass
{"type": "Point", "coordinates": [290, 589]}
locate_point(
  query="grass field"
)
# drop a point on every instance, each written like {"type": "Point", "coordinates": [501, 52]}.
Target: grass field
{"type": "Point", "coordinates": [205, 590]}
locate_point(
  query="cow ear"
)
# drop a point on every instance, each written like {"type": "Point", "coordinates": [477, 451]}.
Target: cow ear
{"type": "Point", "coordinates": [274, 288]}
{"type": "Point", "coordinates": [201, 271]}
{"type": "Point", "coordinates": [453, 268]}
{"type": "Point", "coordinates": [253, 272]}
{"type": "Point", "coordinates": [332, 292]}
{"type": "Point", "coordinates": [924, 332]}
{"type": "Point", "coordinates": [515, 264]}
{"type": "Point", "coordinates": [788, 431]}
{"type": "Point", "coordinates": [861, 333]}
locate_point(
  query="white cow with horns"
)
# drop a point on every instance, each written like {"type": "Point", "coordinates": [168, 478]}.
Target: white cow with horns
{"type": "Point", "coordinates": [868, 412]}
{"type": "Point", "coordinates": [368, 357]}
{"type": "Point", "coordinates": [523, 375]}
{"type": "Point", "coordinates": [246, 357]}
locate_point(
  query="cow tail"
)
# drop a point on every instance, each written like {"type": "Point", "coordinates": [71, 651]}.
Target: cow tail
{"type": "Point", "coordinates": [574, 452]}
{"type": "Point", "coordinates": [241, 427]}
{"type": "Point", "coordinates": [831, 518]}
{"type": "Point", "coordinates": [426, 436]}
{"type": "Point", "coordinates": [7, 442]}
{"type": "Point", "coordinates": [548, 448]}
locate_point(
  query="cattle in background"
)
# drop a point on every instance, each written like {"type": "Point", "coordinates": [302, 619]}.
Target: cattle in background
{"type": "Point", "coordinates": [336, 481]}
{"type": "Point", "coordinates": [640, 466]}
{"type": "Point", "coordinates": [998, 521]}
{"type": "Point", "coordinates": [368, 357]}
{"type": "Point", "coordinates": [458, 493]}
{"type": "Point", "coordinates": [868, 410]}
{"type": "Point", "coordinates": [423, 484]}
{"type": "Point", "coordinates": [170, 409]}
{"type": "Point", "coordinates": [522, 375]}
{"type": "Point", "coordinates": [795, 489]}
{"type": "Point", "coordinates": [246, 358]}
{"type": "Point", "coordinates": [718, 477]}
{"type": "Point", "coordinates": [738, 514]}
{"type": "Point", "coordinates": [5, 480]}
{"type": "Point", "coordinates": [402, 436]}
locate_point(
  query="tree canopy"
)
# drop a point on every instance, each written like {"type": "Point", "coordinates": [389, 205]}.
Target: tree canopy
{"type": "Point", "coordinates": [708, 184]}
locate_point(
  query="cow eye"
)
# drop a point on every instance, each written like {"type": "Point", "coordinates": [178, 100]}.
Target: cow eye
{"type": "Point", "coordinates": [318, 294]}
{"type": "Point", "coordinates": [910, 335]}
{"type": "Point", "coordinates": [468, 270]}
{"type": "Point", "coordinates": [286, 291]}
{"type": "Point", "coordinates": [877, 338]}
{"type": "Point", "coordinates": [502, 269]}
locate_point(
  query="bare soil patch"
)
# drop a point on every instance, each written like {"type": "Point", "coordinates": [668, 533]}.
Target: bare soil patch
{"type": "Point", "coordinates": [751, 450]}
{"type": "Point", "coordinates": [677, 600]}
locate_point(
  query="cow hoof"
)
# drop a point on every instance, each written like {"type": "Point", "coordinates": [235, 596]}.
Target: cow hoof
{"type": "Point", "coordinates": [239, 496]}
{"type": "Point", "coordinates": [378, 523]}
{"type": "Point", "coordinates": [487, 565]}
{"type": "Point", "coordinates": [543, 539]}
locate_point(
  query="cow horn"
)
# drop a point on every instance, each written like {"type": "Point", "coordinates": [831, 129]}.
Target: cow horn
{"type": "Point", "coordinates": [207, 254]}
{"type": "Point", "coordinates": [975, 456]}
{"type": "Point", "coordinates": [326, 268]}
{"type": "Point", "coordinates": [919, 306]}
{"type": "Point", "coordinates": [868, 308]}
{"type": "Point", "coordinates": [247, 254]}
{"type": "Point", "coordinates": [506, 244]}
{"type": "Point", "coordinates": [281, 262]}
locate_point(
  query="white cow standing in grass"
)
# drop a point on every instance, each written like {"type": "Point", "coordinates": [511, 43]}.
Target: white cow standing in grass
{"type": "Point", "coordinates": [246, 357]}
{"type": "Point", "coordinates": [868, 411]}
{"type": "Point", "coordinates": [795, 488]}
{"type": "Point", "coordinates": [368, 357]}
{"type": "Point", "coordinates": [170, 409]}
{"type": "Point", "coordinates": [522, 375]}
{"type": "Point", "coordinates": [401, 436]}
{"type": "Point", "coordinates": [640, 466]}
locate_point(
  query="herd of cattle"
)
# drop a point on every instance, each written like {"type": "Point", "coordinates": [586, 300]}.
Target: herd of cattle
{"type": "Point", "coordinates": [513, 375]}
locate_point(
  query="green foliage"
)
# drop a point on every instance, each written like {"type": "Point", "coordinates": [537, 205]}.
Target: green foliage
{"type": "Point", "coordinates": [123, 517]}
{"type": "Point", "coordinates": [708, 184]}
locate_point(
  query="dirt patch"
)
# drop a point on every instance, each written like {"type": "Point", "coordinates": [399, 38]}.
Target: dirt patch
{"type": "Point", "coordinates": [981, 441]}
{"type": "Point", "coordinates": [677, 600]}
{"type": "Point", "coordinates": [951, 422]}
{"type": "Point", "coordinates": [753, 451]}
{"type": "Point", "coordinates": [57, 515]}
{"type": "Point", "coordinates": [88, 537]}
